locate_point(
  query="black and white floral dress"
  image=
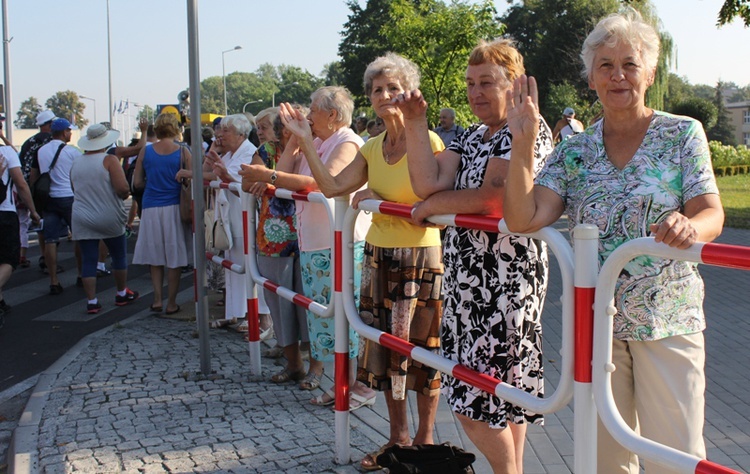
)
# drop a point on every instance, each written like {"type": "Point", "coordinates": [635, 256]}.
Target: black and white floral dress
{"type": "Point", "coordinates": [494, 287]}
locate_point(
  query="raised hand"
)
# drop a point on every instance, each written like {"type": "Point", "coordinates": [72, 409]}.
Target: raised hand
{"type": "Point", "coordinates": [294, 121]}
{"type": "Point", "coordinates": [411, 104]}
{"type": "Point", "coordinates": [522, 108]}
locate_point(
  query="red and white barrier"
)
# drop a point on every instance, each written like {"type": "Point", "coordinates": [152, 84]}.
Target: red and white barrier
{"type": "Point", "coordinates": [714, 254]}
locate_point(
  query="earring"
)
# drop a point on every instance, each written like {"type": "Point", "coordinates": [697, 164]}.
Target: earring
{"type": "Point", "coordinates": [330, 126]}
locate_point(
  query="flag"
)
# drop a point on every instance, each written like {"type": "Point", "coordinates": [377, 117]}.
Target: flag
{"type": "Point", "coordinates": [119, 108]}
{"type": "Point", "coordinates": [127, 105]}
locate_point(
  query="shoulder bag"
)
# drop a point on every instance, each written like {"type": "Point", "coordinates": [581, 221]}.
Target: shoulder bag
{"type": "Point", "coordinates": [40, 188]}
{"type": "Point", "coordinates": [427, 458]}
{"type": "Point", "coordinates": [215, 231]}
{"type": "Point", "coordinates": [186, 193]}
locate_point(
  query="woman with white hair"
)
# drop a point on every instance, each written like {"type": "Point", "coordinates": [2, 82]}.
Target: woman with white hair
{"type": "Point", "coordinates": [638, 172]}
{"type": "Point", "coordinates": [403, 268]}
{"type": "Point", "coordinates": [336, 144]}
{"type": "Point", "coordinates": [237, 150]}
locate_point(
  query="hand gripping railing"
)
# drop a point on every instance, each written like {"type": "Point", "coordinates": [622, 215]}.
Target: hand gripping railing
{"type": "Point", "coordinates": [712, 254]}
{"type": "Point", "coordinates": [562, 251]}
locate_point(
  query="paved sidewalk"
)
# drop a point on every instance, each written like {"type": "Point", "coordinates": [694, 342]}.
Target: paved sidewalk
{"type": "Point", "coordinates": [128, 399]}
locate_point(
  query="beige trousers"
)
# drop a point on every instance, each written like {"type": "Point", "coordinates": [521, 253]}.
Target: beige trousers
{"type": "Point", "coordinates": [659, 389]}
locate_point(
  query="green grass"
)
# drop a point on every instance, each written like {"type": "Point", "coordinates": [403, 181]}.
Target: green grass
{"type": "Point", "coordinates": [735, 196]}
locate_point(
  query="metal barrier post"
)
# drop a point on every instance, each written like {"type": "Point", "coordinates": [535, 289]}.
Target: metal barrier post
{"type": "Point", "coordinates": [253, 322]}
{"type": "Point", "coordinates": [586, 271]}
{"type": "Point", "coordinates": [342, 388]}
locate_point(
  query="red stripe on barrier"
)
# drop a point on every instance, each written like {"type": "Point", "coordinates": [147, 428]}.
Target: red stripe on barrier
{"type": "Point", "coordinates": [341, 369]}
{"type": "Point", "coordinates": [303, 301]}
{"type": "Point", "coordinates": [485, 223]}
{"type": "Point", "coordinates": [300, 196]}
{"type": "Point", "coordinates": [253, 324]}
{"type": "Point", "coordinates": [338, 249]}
{"type": "Point", "coordinates": [481, 381]}
{"type": "Point", "coordinates": [723, 255]}
{"type": "Point", "coordinates": [245, 230]}
{"type": "Point", "coordinates": [397, 344]}
{"type": "Point", "coordinates": [269, 285]}
{"type": "Point", "coordinates": [584, 333]}
{"type": "Point", "coordinates": [708, 467]}
{"type": "Point", "coordinates": [209, 255]}
{"type": "Point", "coordinates": [227, 264]}
{"type": "Point", "coordinates": [393, 209]}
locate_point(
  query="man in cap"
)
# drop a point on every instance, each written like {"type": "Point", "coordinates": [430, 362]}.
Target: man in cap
{"type": "Point", "coordinates": [57, 215]}
{"type": "Point", "coordinates": [566, 126]}
{"type": "Point", "coordinates": [29, 160]}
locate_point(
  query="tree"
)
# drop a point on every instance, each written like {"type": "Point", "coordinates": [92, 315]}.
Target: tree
{"type": "Point", "coordinates": [333, 74]}
{"type": "Point", "coordinates": [699, 109]}
{"type": "Point", "coordinates": [549, 34]}
{"type": "Point", "coordinates": [723, 131]}
{"type": "Point", "coordinates": [146, 112]}
{"type": "Point", "coordinates": [439, 38]}
{"type": "Point", "coordinates": [362, 41]}
{"type": "Point", "coordinates": [27, 113]}
{"type": "Point", "coordinates": [66, 104]}
{"type": "Point", "coordinates": [732, 9]}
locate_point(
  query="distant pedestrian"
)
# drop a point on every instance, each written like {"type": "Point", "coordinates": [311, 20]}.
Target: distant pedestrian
{"type": "Point", "coordinates": [448, 130]}
{"type": "Point", "coordinates": [567, 126]}
{"type": "Point", "coordinates": [99, 188]}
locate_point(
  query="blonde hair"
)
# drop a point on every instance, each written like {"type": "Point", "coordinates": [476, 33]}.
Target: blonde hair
{"type": "Point", "coordinates": [502, 52]}
{"type": "Point", "coordinates": [166, 126]}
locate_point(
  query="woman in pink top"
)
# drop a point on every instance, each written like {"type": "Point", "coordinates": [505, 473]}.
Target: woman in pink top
{"type": "Point", "coordinates": [336, 144]}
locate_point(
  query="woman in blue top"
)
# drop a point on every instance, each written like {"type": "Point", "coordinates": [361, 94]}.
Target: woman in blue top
{"type": "Point", "coordinates": [161, 238]}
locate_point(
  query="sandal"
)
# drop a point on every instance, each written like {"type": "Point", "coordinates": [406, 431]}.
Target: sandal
{"type": "Point", "coordinates": [321, 401]}
{"type": "Point", "coordinates": [370, 461]}
{"type": "Point", "coordinates": [358, 401]}
{"type": "Point", "coordinates": [311, 381]}
{"type": "Point", "coordinates": [286, 375]}
{"type": "Point", "coordinates": [156, 309]}
{"type": "Point", "coordinates": [275, 352]}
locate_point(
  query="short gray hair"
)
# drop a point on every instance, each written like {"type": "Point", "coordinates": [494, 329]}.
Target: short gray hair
{"type": "Point", "coordinates": [450, 111]}
{"type": "Point", "coordinates": [395, 65]}
{"type": "Point", "coordinates": [335, 98]}
{"type": "Point", "coordinates": [239, 123]}
{"type": "Point", "coordinates": [626, 27]}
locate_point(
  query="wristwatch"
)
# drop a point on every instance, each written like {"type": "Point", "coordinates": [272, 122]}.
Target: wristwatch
{"type": "Point", "coordinates": [273, 177]}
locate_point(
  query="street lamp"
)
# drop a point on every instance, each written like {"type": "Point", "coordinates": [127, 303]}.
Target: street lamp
{"type": "Point", "coordinates": [251, 102]}
{"type": "Point", "coordinates": [90, 98]}
{"type": "Point", "coordinates": [224, 75]}
{"type": "Point", "coordinates": [282, 86]}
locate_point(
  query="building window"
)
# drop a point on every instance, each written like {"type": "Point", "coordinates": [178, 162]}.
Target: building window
{"type": "Point", "coordinates": [747, 116]}
{"type": "Point", "coordinates": [746, 139]}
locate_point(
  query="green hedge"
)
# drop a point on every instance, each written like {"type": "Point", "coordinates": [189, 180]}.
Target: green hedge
{"type": "Point", "coordinates": [723, 156]}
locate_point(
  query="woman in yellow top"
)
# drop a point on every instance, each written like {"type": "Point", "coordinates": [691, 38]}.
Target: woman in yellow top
{"type": "Point", "coordinates": [403, 267]}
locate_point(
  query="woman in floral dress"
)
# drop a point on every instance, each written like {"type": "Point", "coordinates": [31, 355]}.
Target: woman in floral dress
{"type": "Point", "coordinates": [494, 283]}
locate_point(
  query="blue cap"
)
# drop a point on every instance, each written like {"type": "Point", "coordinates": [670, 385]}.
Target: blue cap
{"type": "Point", "coordinates": [217, 121]}
{"type": "Point", "coordinates": [569, 111]}
{"type": "Point", "coordinates": [60, 124]}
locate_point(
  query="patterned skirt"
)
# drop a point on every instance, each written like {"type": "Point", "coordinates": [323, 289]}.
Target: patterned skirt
{"type": "Point", "coordinates": [401, 295]}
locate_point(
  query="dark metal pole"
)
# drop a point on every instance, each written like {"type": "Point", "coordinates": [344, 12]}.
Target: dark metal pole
{"type": "Point", "coordinates": [199, 239]}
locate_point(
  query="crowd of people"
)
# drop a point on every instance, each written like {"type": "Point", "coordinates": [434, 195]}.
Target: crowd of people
{"type": "Point", "coordinates": [473, 296]}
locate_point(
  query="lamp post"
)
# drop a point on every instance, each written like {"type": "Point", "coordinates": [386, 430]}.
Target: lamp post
{"type": "Point", "coordinates": [92, 99]}
{"type": "Point", "coordinates": [224, 75]}
{"type": "Point", "coordinates": [282, 86]}
{"type": "Point", "coordinates": [251, 102]}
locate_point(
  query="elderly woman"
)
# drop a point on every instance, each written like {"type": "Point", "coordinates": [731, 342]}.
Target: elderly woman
{"type": "Point", "coordinates": [237, 150]}
{"type": "Point", "coordinates": [336, 145]}
{"type": "Point", "coordinates": [161, 237]}
{"type": "Point", "coordinates": [402, 269]}
{"type": "Point", "coordinates": [637, 172]}
{"type": "Point", "coordinates": [494, 284]}
{"type": "Point", "coordinates": [278, 251]}
{"type": "Point", "coordinates": [99, 189]}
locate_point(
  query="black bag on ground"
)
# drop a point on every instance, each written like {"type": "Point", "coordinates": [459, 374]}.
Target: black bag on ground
{"type": "Point", "coordinates": [427, 459]}
{"type": "Point", "coordinates": [40, 188]}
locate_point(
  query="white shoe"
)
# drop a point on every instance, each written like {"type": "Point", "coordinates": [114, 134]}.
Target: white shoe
{"type": "Point", "coordinates": [266, 334]}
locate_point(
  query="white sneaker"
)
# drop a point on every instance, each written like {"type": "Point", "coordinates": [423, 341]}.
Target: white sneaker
{"type": "Point", "coordinates": [266, 334]}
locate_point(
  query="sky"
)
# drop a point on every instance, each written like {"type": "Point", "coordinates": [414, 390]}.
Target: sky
{"type": "Point", "coordinates": [57, 46]}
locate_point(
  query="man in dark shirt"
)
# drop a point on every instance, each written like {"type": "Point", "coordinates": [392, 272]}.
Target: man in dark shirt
{"type": "Point", "coordinates": [29, 160]}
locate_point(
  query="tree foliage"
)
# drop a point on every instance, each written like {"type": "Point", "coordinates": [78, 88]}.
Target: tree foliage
{"type": "Point", "coordinates": [733, 9]}
{"type": "Point", "coordinates": [27, 113]}
{"type": "Point", "coordinates": [697, 108]}
{"type": "Point", "coordinates": [439, 38]}
{"type": "Point", "coordinates": [723, 131]}
{"type": "Point", "coordinates": [66, 104]}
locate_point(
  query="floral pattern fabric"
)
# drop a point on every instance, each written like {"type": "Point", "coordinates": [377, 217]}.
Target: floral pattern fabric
{"type": "Point", "coordinates": [277, 233]}
{"type": "Point", "coordinates": [655, 297]}
{"type": "Point", "coordinates": [494, 288]}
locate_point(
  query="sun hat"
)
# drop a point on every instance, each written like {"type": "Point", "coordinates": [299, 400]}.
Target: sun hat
{"type": "Point", "coordinates": [569, 111]}
{"type": "Point", "coordinates": [44, 117]}
{"type": "Point", "coordinates": [98, 137]}
{"type": "Point", "coordinates": [60, 124]}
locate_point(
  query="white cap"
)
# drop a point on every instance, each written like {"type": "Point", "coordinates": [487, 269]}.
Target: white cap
{"type": "Point", "coordinates": [44, 117]}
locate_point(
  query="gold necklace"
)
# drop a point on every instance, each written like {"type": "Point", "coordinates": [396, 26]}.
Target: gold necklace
{"type": "Point", "coordinates": [396, 148]}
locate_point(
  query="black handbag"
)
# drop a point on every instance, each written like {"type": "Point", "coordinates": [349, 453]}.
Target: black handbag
{"type": "Point", "coordinates": [40, 188]}
{"type": "Point", "coordinates": [427, 458]}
